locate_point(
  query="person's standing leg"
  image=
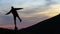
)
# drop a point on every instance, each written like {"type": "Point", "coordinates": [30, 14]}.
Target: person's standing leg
{"type": "Point", "coordinates": [15, 22]}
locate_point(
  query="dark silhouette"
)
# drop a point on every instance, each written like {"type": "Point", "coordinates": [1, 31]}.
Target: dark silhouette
{"type": "Point", "coordinates": [15, 14]}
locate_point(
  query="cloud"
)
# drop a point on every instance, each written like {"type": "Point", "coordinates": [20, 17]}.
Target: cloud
{"type": "Point", "coordinates": [30, 6]}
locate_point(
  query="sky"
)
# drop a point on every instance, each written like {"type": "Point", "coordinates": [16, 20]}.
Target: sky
{"type": "Point", "coordinates": [34, 11]}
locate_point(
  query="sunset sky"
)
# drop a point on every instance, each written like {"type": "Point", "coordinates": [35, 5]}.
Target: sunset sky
{"type": "Point", "coordinates": [34, 11]}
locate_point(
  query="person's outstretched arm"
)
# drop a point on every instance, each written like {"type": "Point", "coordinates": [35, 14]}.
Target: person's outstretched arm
{"type": "Point", "coordinates": [18, 8]}
{"type": "Point", "coordinates": [8, 12]}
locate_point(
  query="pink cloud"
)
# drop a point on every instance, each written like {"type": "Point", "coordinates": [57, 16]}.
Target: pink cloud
{"type": "Point", "coordinates": [10, 26]}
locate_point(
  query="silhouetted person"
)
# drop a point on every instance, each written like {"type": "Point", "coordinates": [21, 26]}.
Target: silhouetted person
{"type": "Point", "coordinates": [15, 14]}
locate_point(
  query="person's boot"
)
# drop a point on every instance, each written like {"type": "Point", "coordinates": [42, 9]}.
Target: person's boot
{"type": "Point", "coordinates": [16, 29]}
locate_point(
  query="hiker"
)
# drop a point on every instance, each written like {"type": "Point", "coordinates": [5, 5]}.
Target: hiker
{"type": "Point", "coordinates": [15, 14]}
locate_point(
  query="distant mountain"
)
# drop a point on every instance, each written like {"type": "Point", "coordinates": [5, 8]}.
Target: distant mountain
{"type": "Point", "coordinates": [49, 26]}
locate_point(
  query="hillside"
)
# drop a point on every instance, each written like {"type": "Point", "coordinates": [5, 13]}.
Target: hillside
{"type": "Point", "coordinates": [49, 26]}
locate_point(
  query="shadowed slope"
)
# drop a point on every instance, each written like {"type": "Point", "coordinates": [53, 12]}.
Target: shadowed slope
{"type": "Point", "coordinates": [49, 26]}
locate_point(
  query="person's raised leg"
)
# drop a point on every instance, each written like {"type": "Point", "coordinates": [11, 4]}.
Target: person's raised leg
{"type": "Point", "coordinates": [19, 19]}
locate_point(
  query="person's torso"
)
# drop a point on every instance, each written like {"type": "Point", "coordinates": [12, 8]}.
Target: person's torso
{"type": "Point", "coordinates": [14, 12]}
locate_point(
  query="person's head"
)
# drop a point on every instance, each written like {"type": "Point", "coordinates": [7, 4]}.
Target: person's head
{"type": "Point", "coordinates": [12, 7]}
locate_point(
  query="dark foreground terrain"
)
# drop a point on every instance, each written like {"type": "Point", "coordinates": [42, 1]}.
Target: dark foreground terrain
{"type": "Point", "coordinates": [49, 26]}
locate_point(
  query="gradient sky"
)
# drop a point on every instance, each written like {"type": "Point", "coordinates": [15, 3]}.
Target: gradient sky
{"type": "Point", "coordinates": [34, 11]}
